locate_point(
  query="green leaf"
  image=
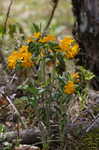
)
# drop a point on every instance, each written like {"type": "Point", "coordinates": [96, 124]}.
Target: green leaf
{"type": "Point", "coordinates": [28, 88]}
{"type": "Point", "coordinates": [2, 128]}
{"type": "Point", "coordinates": [12, 29]}
{"type": "Point", "coordinates": [61, 80]}
{"type": "Point", "coordinates": [53, 45]}
{"type": "Point", "coordinates": [33, 101]}
{"type": "Point", "coordinates": [34, 47]}
{"type": "Point", "coordinates": [41, 90]}
{"type": "Point", "coordinates": [25, 98]}
{"type": "Point", "coordinates": [36, 28]}
{"type": "Point", "coordinates": [1, 30]}
{"type": "Point", "coordinates": [87, 75]}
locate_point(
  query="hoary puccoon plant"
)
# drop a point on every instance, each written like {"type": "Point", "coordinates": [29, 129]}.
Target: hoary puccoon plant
{"type": "Point", "coordinates": [42, 60]}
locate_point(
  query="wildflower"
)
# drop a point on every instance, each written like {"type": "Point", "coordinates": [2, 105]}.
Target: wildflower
{"type": "Point", "coordinates": [12, 59]}
{"type": "Point", "coordinates": [75, 76]}
{"type": "Point", "coordinates": [22, 55]}
{"type": "Point", "coordinates": [25, 56]}
{"type": "Point", "coordinates": [36, 35]}
{"type": "Point", "coordinates": [47, 38]}
{"type": "Point", "coordinates": [26, 59]}
{"type": "Point", "coordinates": [69, 47]}
{"type": "Point", "coordinates": [23, 49]}
{"type": "Point", "coordinates": [66, 43]}
{"type": "Point", "coordinates": [69, 88]}
{"type": "Point", "coordinates": [71, 52]}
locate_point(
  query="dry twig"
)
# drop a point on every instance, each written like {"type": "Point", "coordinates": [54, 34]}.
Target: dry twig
{"type": "Point", "coordinates": [94, 124]}
{"type": "Point", "coordinates": [52, 15]}
{"type": "Point", "coordinates": [2, 58]}
{"type": "Point", "coordinates": [16, 112]}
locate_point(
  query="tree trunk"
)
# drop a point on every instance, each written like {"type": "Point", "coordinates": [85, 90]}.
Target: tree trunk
{"type": "Point", "coordinates": [86, 32]}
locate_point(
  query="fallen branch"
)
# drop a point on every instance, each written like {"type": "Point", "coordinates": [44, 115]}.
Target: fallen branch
{"type": "Point", "coordinates": [27, 136]}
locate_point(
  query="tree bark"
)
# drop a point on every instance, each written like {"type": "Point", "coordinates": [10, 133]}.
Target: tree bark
{"type": "Point", "coordinates": [86, 32]}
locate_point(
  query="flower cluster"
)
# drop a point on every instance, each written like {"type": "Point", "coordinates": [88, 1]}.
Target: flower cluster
{"type": "Point", "coordinates": [42, 45]}
{"type": "Point", "coordinates": [70, 86]}
{"type": "Point", "coordinates": [69, 47]}
{"type": "Point", "coordinates": [22, 56]}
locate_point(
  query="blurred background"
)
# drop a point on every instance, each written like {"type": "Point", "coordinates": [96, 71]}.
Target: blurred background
{"type": "Point", "coordinates": [26, 12]}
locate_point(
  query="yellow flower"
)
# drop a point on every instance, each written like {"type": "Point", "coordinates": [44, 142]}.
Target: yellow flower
{"type": "Point", "coordinates": [12, 59]}
{"type": "Point", "coordinates": [47, 38]}
{"type": "Point", "coordinates": [75, 75]}
{"type": "Point", "coordinates": [69, 47]}
{"type": "Point", "coordinates": [11, 63]}
{"type": "Point", "coordinates": [36, 35]}
{"type": "Point", "coordinates": [71, 52]}
{"type": "Point", "coordinates": [22, 55]}
{"type": "Point", "coordinates": [69, 88]}
{"type": "Point", "coordinates": [66, 43]}
{"type": "Point", "coordinates": [26, 59]}
{"type": "Point", "coordinates": [23, 49]}
{"type": "Point", "coordinates": [68, 39]}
